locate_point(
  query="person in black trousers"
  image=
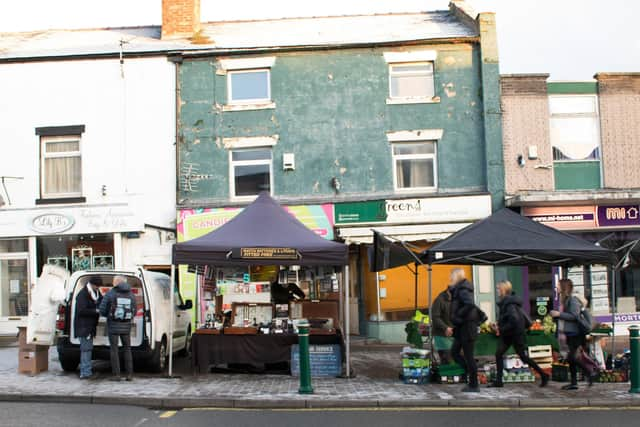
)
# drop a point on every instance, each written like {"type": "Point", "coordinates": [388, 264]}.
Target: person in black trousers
{"type": "Point", "coordinates": [466, 318]}
{"type": "Point", "coordinates": [511, 329]}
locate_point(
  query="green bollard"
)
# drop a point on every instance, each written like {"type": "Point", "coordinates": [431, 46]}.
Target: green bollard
{"type": "Point", "coordinates": [305, 363]}
{"type": "Point", "coordinates": [634, 344]}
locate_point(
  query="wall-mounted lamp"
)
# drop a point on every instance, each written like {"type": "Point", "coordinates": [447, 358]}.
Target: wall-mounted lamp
{"type": "Point", "coordinates": [335, 184]}
{"type": "Point", "coordinates": [521, 160]}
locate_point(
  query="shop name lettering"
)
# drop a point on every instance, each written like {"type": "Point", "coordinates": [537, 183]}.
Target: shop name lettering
{"type": "Point", "coordinates": [52, 223]}
{"type": "Point", "coordinates": [621, 213]}
{"type": "Point", "coordinates": [563, 218]}
{"type": "Point", "coordinates": [109, 218]}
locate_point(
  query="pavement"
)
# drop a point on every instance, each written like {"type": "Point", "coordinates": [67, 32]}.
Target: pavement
{"type": "Point", "coordinates": [376, 385]}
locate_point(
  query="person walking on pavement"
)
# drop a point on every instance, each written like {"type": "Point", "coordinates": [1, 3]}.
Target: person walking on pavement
{"type": "Point", "coordinates": [119, 307]}
{"type": "Point", "coordinates": [466, 317]}
{"type": "Point", "coordinates": [511, 329]}
{"type": "Point", "coordinates": [442, 326]}
{"type": "Point", "coordinates": [85, 323]}
{"type": "Point", "coordinates": [568, 325]}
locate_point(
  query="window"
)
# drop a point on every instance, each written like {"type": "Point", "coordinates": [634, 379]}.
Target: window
{"type": "Point", "coordinates": [61, 166]}
{"type": "Point", "coordinates": [411, 80]}
{"type": "Point", "coordinates": [414, 165]}
{"type": "Point", "coordinates": [249, 86]}
{"type": "Point", "coordinates": [250, 171]}
{"type": "Point", "coordinates": [575, 138]}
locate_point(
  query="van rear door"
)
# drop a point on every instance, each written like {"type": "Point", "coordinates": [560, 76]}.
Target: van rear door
{"type": "Point", "coordinates": [106, 283]}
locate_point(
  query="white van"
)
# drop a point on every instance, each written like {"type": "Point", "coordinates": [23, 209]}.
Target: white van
{"type": "Point", "coordinates": [150, 329]}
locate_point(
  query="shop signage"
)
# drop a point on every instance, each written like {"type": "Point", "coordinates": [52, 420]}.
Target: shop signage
{"type": "Point", "coordinates": [193, 223]}
{"type": "Point", "coordinates": [407, 211]}
{"type": "Point", "coordinates": [52, 223]}
{"type": "Point", "coordinates": [585, 217]}
{"type": "Point", "coordinates": [325, 360]}
{"type": "Point", "coordinates": [266, 253]}
{"type": "Point", "coordinates": [623, 321]}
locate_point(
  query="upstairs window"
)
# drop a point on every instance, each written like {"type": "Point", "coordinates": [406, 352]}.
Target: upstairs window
{"type": "Point", "coordinates": [61, 166]}
{"type": "Point", "coordinates": [411, 80]}
{"type": "Point", "coordinates": [414, 165]}
{"type": "Point", "coordinates": [250, 171]}
{"type": "Point", "coordinates": [249, 86]}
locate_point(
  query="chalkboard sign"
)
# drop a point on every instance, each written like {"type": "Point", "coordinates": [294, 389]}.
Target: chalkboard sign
{"type": "Point", "coordinates": [326, 360]}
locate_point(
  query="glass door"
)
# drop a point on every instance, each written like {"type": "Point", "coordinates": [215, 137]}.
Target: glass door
{"type": "Point", "coordinates": [14, 287]}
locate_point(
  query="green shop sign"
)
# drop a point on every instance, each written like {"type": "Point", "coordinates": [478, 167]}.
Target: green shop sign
{"type": "Point", "coordinates": [370, 211]}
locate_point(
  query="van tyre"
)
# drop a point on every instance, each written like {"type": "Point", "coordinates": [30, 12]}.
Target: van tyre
{"type": "Point", "coordinates": [69, 364]}
{"type": "Point", "coordinates": [159, 359]}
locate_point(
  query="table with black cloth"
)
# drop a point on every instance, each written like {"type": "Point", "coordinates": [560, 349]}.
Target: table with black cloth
{"type": "Point", "coordinates": [486, 344]}
{"type": "Point", "coordinates": [210, 350]}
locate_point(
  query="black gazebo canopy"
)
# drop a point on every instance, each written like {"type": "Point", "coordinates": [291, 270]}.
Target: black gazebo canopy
{"type": "Point", "coordinates": [507, 238]}
{"type": "Point", "coordinates": [262, 234]}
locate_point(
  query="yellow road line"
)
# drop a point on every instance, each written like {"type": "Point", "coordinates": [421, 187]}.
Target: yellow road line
{"type": "Point", "coordinates": [167, 414]}
{"type": "Point", "coordinates": [426, 409]}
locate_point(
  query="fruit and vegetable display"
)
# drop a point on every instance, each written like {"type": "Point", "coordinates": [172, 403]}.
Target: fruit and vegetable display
{"type": "Point", "coordinates": [546, 325]}
{"type": "Point", "coordinates": [487, 328]}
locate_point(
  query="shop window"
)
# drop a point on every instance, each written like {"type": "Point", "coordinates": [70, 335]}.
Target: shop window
{"type": "Point", "coordinates": [76, 252]}
{"type": "Point", "coordinates": [250, 171]}
{"type": "Point", "coordinates": [411, 80]}
{"type": "Point", "coordinates": [414, 165]}
{"type": "Point", "coordinates": [14, 278]}
{"type": "Point", "coordinates": [575, 138]}
{"type": "Point", "coordinates": [61, 166]}
{"type": "Point", "coordinates": [249, 86]}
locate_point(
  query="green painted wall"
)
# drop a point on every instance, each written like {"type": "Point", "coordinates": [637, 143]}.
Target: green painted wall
{"type": "Point", "coordinates": [577, 175]}
{"type": "Point", "coordinates": [331, 112]}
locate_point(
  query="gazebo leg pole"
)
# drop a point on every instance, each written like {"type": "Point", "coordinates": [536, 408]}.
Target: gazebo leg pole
{"type": "Point", "coordinates": [429, 336]}
{"type": "Point", "coordinates": [171, 318]}
{"type": "Point", "coordinates": [346, 322]}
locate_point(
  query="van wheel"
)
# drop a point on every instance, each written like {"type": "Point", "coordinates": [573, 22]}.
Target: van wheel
{"type": "Point", "coordinates": [69, 364]}
{"type": "Point", "coordinates": [159, 359]}
{"type": "Point", "coordinates": [186, 351]}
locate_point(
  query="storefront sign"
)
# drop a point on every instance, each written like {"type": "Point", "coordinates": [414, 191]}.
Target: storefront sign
{"type": "Point", "coordinates": [52, 223]}
{"type": "Point", "coordinates": [325, 360]}
{"type": "Point", "coordinates": [408, 211]}
{"type": "Point", "coordinates": [623, 321]}
{"type": "Point", "coordinates": [266, 253]}
{"type": "Point", "coordinates": [585, 217]}
{"type": "Point", "coordinates": [193, 223]}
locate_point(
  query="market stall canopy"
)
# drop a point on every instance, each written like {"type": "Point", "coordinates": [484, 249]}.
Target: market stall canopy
{"type": "Point", "coordinates": [262, 234]}
{"type": "Point", "coordinates": [507, 238]}
{"type": "Point", "coordinates": [385, 254]}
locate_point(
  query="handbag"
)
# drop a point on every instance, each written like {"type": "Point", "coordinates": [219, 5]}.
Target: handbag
{"type": "Point", "coordinates": [587, 362]}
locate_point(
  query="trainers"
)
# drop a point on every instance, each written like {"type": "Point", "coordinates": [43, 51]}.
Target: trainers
{"type": "Point", "coordinates": [544, 380]}
{"type": "Point", "coordinates": [496, 384]}
{"type": "Point", "coordinates": [115, 378]}
{"type": "Point", "coordinates": [570, 387]}
{"type": "Point", "coordinates": [129, 378]}
{"type": "Point", "coordinates": [471, 389]}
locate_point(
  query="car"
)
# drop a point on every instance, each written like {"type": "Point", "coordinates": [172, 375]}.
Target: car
{"type": "Point", "coordinates": [151, 324]}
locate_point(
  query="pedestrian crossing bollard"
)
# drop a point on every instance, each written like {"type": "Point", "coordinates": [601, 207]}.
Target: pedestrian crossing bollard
{"type": "Point", "coordinates": [305, 363]}
{"type": "Point", "coordinates": [634, 344]}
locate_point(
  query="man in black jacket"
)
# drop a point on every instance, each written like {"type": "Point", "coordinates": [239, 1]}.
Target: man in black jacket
{"type": "Point", "coordinates": [466, 318]}
{"type": "Point", "coordinates": [119, 307]}
{"type": "Point", "coordinates": [442, 326]}
{"type": "Point", "coordinates": [85, 322]}
{"type": "Point", "coordinates": [511, 329]}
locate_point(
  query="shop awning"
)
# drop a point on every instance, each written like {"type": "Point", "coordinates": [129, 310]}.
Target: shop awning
{"type": "Point", "coordinates": [407, 233]}
{"type": "Point", "coordinates": [262, 234]}
{"type": "Point", "coordinates": [507, 238]}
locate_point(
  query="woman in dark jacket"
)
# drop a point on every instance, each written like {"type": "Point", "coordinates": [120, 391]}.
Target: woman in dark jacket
{"type": "Point", "coordinates": [511, 330]}
{"type": "Point", "coordinates": [85, 323]}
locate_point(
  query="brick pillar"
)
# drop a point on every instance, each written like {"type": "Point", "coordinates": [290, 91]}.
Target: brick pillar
{"type": "Point", "coordinates": [180, 18]}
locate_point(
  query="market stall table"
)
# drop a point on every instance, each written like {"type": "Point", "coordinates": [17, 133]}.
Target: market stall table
{"type": "Point", "coordinates": [486, 344]}
{"type": "Point", "coordinates": [210, 350]}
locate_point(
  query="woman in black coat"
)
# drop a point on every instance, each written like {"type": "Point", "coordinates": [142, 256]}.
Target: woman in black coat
{"type": "Point", "coordinates": [511, 330]}
{"type": "Point", "coordinates": [85, 323]}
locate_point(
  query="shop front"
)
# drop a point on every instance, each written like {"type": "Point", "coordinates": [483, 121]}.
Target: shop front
{"type": "Point", "coordinates": [388, 299]}
{"type": "Point", "coordinates": [611, 225]}
{"type": "Point", "coordinates": [75, 238]}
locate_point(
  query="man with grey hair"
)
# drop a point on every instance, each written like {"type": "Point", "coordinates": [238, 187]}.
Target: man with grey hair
{"type": "Point", "coordinates": [119, 307]}
{"type": "Point", "coordinates": [465, 317]}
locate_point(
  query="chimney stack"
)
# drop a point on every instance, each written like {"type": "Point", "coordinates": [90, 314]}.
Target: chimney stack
{"type": "Point", "coordinates": [180, 18]}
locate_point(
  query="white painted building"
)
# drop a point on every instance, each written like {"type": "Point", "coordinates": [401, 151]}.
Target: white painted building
{"type": "Point", "coordinates": [87, 156]}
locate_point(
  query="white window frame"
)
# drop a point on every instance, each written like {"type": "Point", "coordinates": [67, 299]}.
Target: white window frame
{"type": "Point", "coordinates": [569, 115]}
{"type": "Point", "coordinates": [44, 155]}
{"type": "Point", "coordinates": [234, 163]}
{"type": "Point", "coordinates": [412, 99]}
{"type": "Point", "coordinates": [230, 99]}
{"type": "Point", "coordinates": [396, 157]}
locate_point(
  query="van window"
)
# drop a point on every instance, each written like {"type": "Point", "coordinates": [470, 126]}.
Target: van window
{"type": "Point", "coordinates": [105, 283]}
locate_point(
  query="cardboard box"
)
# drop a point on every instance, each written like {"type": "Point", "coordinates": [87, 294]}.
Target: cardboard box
{"type": "Point", "coordinates": [22, 340]}
{"type": "Point", "coordinates": [33, 362]}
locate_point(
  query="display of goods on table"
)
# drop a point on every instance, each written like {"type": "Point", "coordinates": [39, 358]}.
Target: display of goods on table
{"type": "Point", "coordinates": [234, 330]}
{"type": "Point", "coordinates": [416, 366]}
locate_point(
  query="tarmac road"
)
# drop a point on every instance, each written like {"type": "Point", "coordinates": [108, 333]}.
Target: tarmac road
{"type": "Point", "coordinates": [56, 414]}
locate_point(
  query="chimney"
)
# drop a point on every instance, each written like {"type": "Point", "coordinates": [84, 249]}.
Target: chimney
{"type": "Point", "coordinates": [180, 18]}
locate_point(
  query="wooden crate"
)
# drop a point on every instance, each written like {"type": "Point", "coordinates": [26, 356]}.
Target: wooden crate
{"type": "Point", "coordinates": [537, 352]}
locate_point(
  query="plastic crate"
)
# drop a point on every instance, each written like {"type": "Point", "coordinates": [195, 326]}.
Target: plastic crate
{"type": "Point", "coordinates": [560, 373]}
{"type": "Point", "coordinates": [415, 363]}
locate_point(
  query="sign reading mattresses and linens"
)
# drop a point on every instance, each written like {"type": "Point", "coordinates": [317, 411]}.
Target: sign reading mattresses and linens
{"type": "Point", "coordinates": [585, 217]}
{"type": "Point", "coordinates": [265, 253]}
